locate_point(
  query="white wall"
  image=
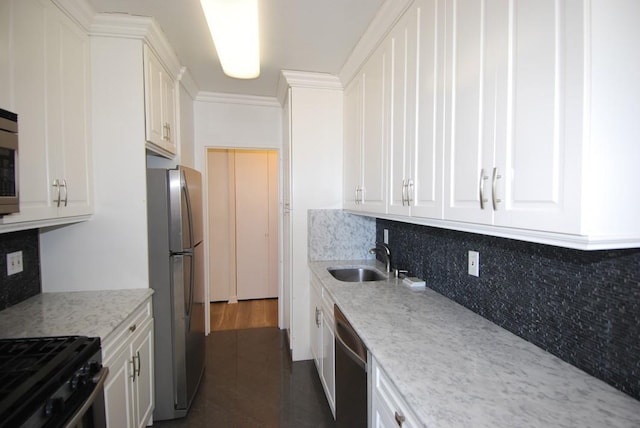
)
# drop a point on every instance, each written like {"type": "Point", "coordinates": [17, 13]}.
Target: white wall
{"type": "Point", "coordinates": [232, 121]}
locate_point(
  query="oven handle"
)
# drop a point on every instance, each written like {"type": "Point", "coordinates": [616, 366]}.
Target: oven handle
{"type": "Point", "coordinates": [99, 380]}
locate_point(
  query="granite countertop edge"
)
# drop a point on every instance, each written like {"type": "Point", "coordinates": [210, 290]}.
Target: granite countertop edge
{"type": "Point", "coordinates": [457, 369]}
{"type": "Point", "coordinates": [73, 313]}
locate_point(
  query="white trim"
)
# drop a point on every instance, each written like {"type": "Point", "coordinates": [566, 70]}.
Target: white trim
{"type": "Point", "coordinates": [223, 98]}
{"type": "Point", "coordinates": [305, 79]}
{"type": "Point", "coordinates": [79, 11]}
{"type": "Point", "coordinates": [388, 14]}
{"type": "Point", "coordinates": [138, 27]}
{"type": "Point", "coordinates": [186, 80]}
{"type": "Point", "coordinates": [577, 242]}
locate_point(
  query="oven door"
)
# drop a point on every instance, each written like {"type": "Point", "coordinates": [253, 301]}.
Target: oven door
{"type": "Point", "coordinates": [91, 414]}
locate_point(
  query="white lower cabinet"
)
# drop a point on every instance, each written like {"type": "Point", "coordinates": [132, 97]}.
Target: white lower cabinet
{"type": "Point", "coordinates": [128, 391]}
{"type": "Point", "coordinates": [322, 339]}
{"type": "Point", "coordinates": [387, 409]}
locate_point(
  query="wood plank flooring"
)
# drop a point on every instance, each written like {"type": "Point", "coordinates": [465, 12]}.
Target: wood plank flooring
{"type": "Point", "coordinates": [244, 314]}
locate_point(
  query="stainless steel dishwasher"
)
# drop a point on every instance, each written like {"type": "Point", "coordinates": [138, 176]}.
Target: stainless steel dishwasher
{"type": "Point", "coordinates": [351, 374]}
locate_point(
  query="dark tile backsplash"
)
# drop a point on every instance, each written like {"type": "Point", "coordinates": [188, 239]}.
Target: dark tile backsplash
{"type": "Point", "coordinates": [582, 306]}
{"type": "Point", "coordinates": [16, 288]}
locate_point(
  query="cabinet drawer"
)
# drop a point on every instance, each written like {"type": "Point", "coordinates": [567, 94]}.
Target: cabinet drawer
{"type": "Point", "coordinates": [123, 333]}
{"type": "Point", "coordinates": [388, 409]}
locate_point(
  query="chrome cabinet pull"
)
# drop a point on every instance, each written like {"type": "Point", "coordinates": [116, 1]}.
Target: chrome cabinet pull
{"type": "Point", "coordinates": [399, 419]}
{"type": "Point", "coordinates": [404, 192]}
{"type": "Point", "coordinates": [56, 184]}
{"type": "Point", "coordinates": [357, 197]}
{"type": "Point", "coordinates": [66, 192]}
{"type": "Point", "coordinates": [133, 369]}
{"type": "Point", "coordinates": [482, 180]}
{"type": "Point", "coordinates": [166, 131]}
{"type": "Point", "coordinates": [138, 356]}
{"type": "Point", "coordinates": [494, 197]}
{"type": "Point", "coordinates": [409, 191]}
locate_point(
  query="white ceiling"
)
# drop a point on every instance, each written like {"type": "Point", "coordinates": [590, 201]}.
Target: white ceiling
{"type": "Point", "coordinates": [303, 35]}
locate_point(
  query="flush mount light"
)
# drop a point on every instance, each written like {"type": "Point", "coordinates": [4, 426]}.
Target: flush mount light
{"type": "Point", "coordinates": [234, 28]}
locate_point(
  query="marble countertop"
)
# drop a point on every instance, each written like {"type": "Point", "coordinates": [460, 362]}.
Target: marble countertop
{"type": "Point", "coordinates": [457, 369]}
{"type": "Point", "coordinates": [82, 313]}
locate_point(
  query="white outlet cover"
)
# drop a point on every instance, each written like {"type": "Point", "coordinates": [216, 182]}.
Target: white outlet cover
{"type": "Point", "coordinates": [474, 263]}
{"type": "Point", "coordinates": [14, 263]}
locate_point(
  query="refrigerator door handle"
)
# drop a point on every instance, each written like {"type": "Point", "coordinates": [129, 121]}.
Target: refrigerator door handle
{"type": "Point", "coordinates": [187, 198]}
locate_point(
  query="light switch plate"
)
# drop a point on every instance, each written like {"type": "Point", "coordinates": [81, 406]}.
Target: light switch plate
{"type": "Point", "coordinates": [14, 263]}
{"type": "Point", "coordinates": [474, 263]}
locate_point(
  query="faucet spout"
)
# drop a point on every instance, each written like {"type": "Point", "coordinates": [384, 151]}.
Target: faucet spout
{"type": "Point", "coordinates": [386, 252]}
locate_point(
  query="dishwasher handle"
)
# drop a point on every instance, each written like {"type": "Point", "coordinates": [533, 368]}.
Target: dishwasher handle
{"type": "Point", "coordinates": [348, 339]}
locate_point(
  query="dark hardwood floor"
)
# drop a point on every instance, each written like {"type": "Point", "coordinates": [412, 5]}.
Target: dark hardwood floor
{"type": "Point", "coordinates": [250, 381]}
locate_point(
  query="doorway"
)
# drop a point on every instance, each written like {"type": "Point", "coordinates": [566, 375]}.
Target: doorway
{"type": "Point", "coordinates": [243, 224]}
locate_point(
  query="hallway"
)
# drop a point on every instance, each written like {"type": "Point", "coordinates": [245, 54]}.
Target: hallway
{"type": "Point", "coordinates": [250, 381]}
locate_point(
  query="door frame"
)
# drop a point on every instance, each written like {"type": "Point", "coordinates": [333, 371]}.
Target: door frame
{"type": "Point", "coordinates": [205, 200]}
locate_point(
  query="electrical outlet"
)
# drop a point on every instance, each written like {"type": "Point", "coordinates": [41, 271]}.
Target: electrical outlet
{"type": "Point", "coordinates": [386, 236]}
{"type": "Point", "coordinates": [474, 263]}
{"type": "Point", "coordinates": [14, 263]}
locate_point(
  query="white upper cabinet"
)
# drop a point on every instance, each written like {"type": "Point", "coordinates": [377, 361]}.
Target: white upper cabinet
{"type": "Point", "coordinates": [366, 121]}
{"type": "Point", "coordinates": [417, 94]}
{"type": "Point", "coordinates": [514, 134]}
{"type": "Point", "coordinates": [516, 119]}
{"type": "Point", "coordinates": [160, 109]}
{"type": "Point", "coordinates": [50, 80]}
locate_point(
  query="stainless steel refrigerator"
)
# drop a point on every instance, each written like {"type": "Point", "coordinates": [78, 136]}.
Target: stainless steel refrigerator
{"type": "Point", "coordinates": [176, 273]}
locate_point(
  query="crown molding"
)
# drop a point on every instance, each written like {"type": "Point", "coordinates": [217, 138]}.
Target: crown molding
{"type": "Point", "coordinates": [78, 10]}
{"type": "Point", "coordinates": [252, 100]}
{"type": "Point", "coordinates": [305, 79]}
{"type": "Point", "coordinates": [187, 82]}
{"type": "Point", "coordinates": [138, 27]}
{"type": "Point", "coordinates": [388, 14]}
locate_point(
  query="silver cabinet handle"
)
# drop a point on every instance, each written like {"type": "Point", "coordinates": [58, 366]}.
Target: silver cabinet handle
{"type": "Point", "coordinates": [494, 197]}
{"type": "Point", "coordinates": [167, 131]}
{"type": "Point", "coordinates": [56, 184]}
{"type": "Point", "coordinates": [399, 418]}
{"type": "Point", "coordinates": [133, 369]}
{"type": "Point", "coordinates": [66, 192]}
{"type": "Point", "coordinates": [138, 357]}
{"type": "Point", "coordinates": [404, 192]}
{"type": "Point", "coordinates": [482, 180]}
{"type": "Point", "coordinates": [357, 195]}
{"type": "Point", "coordinates": [409, 191]}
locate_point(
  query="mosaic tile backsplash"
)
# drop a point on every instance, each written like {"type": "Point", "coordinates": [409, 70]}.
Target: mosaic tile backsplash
{"type": "Point", "coordinates": [16, 288]}
{"type": "Point", "coordinates": [337, 235]}
{"type": "Point", "coordinates": [582, 306]}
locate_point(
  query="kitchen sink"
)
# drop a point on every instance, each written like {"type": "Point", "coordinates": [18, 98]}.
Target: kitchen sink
{"type": "Point", "coordinates": [356, 274]}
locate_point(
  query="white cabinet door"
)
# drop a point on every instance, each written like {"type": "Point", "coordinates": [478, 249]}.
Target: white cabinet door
{"type": "Point", "coordinates": [352, 148]}
{"type": "Point", "coordinates": [426, 194]}
{"type": "Point", "coordinates": [315, 309]}
{"type": "Point", "coordinates": [142, 352]}
{"type": "Point", "coordinates": [160, 110]}
{"type": "Point", "coordinates": [469, 144]}
{"type": "Point", "coordinates": [388, 409]}
{"type": "Point", "coordinates": [118, 394]}
{"type": "Point", "coordinates": [539, 103]}
{"type": "Point", "coordinates": [68, 115]}
{"type": "Point", "coordinates": [374, 111]}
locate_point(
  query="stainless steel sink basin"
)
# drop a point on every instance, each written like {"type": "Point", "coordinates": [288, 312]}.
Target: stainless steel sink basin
{"type": "Point", "coordinates": [356, 274]}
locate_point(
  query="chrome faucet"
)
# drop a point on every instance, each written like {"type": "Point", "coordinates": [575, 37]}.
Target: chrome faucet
{"type": "Point", "coordinates": [386, 253]}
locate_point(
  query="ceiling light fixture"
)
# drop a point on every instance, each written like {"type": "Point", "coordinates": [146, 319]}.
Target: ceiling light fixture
{"type": "Point", "coordinates": [234, 28]}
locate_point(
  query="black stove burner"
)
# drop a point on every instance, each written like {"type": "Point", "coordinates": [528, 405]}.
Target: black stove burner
{"type": "Point", "coordinates": [33, 371]}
